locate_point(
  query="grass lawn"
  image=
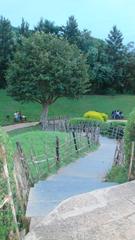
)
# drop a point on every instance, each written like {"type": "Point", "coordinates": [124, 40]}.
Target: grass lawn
{"type": "Point", "coordinates": [66, 107]}
{"type": "Point", "coordinates": [43, 145]}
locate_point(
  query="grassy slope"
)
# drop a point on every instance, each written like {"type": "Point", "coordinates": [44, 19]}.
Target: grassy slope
{"type": "Point", "coordinates": [66, 107]}
{"type": "Point", "coordinates": [44, 146]}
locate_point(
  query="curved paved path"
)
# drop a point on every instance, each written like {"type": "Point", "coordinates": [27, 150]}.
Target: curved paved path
{"type": "Point", "coordinates": [83, 175]}
{"type": "Point", "coordinates": [13, 127]}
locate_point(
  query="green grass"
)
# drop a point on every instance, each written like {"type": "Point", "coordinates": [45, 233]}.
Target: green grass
{"type": "Point", "coordinates": [66, 107]}
{"type": "Point", "coordinates": [43, 146]}
{"type": "Point", "coordinates": [118, 174]}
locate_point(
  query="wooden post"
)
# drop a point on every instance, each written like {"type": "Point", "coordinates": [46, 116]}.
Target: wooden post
{"type": "Point", "coordinates": [57, 150]}
{"type": "Point", "coordinates": [131, 161]}
{"type": "Point", "coordinates": [88, 138]}
{"type": "Point", "coordinates": [24, 163]}
{"type": "Point", "coordinates": [75, 142]}
{"type": "Point", "coordinates": [5, 167]}
{"type": "Point", "coordinates": [33, 159]}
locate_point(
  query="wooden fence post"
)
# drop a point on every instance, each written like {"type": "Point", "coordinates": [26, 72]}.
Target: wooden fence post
{"type": "Point", "coordinates": [75, 142]}
{"type": "Point", "coordinates": [131, 161]}
{"type": "Point", "coordinates": [24, 163]}
{"type": "Point", "coordinates": [88, 138]}
{"type": "Point", "coordinates": [57, 150]}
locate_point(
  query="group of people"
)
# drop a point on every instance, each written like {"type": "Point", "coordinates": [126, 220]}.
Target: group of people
{"type": "Point", "coordinates": [116, 114]}
{"type": "Point", "coordinates": [18, 117]}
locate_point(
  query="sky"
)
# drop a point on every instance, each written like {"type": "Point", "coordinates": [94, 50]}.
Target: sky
{"type": "Point", "coordinates": [98, 16]}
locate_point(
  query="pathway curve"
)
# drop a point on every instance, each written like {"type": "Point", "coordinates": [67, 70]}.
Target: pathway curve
{"type": "Point", "coordinates": [83, 175]}
{"type": "Point", "coordinates": [10, 128]}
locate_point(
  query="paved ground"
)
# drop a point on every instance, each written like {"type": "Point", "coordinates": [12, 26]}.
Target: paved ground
{"type": "Point", "coordinates": [19, 126]}
{"type": "Point", "coordinates": [83, 175]}
{"type": "Point", "coordinates": [105, 214]}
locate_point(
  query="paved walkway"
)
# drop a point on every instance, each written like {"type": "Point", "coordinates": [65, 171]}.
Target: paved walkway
{"type": "Point", "coordinates": [83, 175]}
{"type": "Point", "coordinates": [19, 126]}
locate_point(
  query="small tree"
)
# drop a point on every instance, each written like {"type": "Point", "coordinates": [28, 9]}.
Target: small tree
{"type": "Point", "coordinates": [46, 68]}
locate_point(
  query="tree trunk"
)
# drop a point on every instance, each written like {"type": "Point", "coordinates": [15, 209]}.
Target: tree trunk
{"type": "Point", "coordinates": [44, 115]}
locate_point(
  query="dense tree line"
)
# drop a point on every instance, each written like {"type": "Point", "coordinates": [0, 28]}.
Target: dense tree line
{"type": "Point", "coordinates": [110, 63]}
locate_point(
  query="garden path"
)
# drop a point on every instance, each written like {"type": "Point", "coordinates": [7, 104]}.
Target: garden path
{"type": "Point", "coordinates": [84, 175]}
{"type": "Point", "coordinates": [10, 128]}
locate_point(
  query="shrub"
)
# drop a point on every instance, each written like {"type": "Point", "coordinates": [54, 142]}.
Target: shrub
{"type": "Point", "coordinates": [105, 116]}
{"type": "Point", "coordinates": [129, 137]}
{"type": "Point", "coordinates": [82, 120]}
{"type": "Point", "coordinates": [117, 174]}
{"type": "Point", "coordinates": [96, 116]}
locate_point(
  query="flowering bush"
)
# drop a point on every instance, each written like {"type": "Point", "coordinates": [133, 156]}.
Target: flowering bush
{"type": "Point", "coordinates": [96, 116]}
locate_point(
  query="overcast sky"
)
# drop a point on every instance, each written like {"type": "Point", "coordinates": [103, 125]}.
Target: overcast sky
{"type": "Point", "coordinates": [98, 16]}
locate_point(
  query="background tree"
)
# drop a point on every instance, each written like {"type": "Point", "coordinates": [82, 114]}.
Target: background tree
{"type": "Point", "coordinates": [101, 70]}
{"type": "Point", "coordinates": [47, 26]}
{"type": "Point", "coordinates": [129, 69]}
{"type": "Point", "coordinates": [116, 57]}
{"type": "Point", "coordinates": [71, 30]}
{"type": "Point", "coordinates": [23, 29]}
{"type": "Point", "coordinates": [46, 68]}
{"type": "Point", "coordinates": [6, 48]}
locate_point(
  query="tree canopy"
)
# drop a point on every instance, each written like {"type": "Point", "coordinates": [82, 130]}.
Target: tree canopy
{"type": "Point", "coordinates": [45, 68]}
{"type": "Point", "coordinates": [110, 62]}
{"type": "Point", "coordinates": [6, 48]}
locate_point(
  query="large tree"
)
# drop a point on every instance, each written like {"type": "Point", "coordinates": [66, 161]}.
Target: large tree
{"type": "Point", "coordinates": [6, 48]}
{"type": "Point", "coordinates": [46, 68]}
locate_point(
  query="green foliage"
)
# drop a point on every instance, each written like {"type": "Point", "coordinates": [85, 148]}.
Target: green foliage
{"type": "Point", "coordinates": [46, 68]}
{"type": "Point", "coordinates": [71, 31]}
{"type": "Point", "coordinates": [6, 215]}
{"type": "Point", "coordinates": [6, 48]}
{"type": "Point", "coordinates": [116, 58]}
{"type": "Point", "coordinates": [110, 63]}
{"type": "Point", "coordinates": [117, 174]}
{"type": "Point", "coordinates": [24, 29]}
{"type": "Point", "coordinates": [129, 137]}
{"type": "Point", "coordinates": [47, 26]}
{"type": "Point", "coordinates": [81, 120]}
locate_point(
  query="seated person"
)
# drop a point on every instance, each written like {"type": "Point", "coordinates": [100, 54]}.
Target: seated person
{"type": "Point", "coordinates": [112, 114]}
{"type": "Point", "coordinates": [16, 116]}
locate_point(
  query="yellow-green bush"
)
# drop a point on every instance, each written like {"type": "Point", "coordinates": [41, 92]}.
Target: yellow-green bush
{"type": "Point", "coordinates": [96, 116]}
{"type": "Point", "coordinates": [105, 116]}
